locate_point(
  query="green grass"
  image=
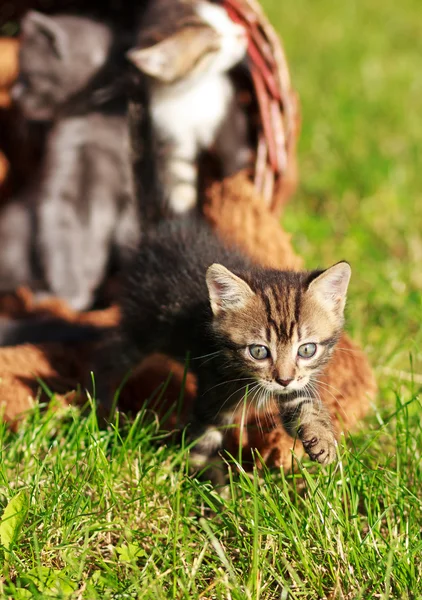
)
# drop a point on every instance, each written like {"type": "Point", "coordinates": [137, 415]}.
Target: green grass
{"type": "Point", "coordinates": [113, 514]}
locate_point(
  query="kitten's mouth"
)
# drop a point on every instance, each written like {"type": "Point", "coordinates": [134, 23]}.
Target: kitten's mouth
{"type": "Point", "coordinates": [283, 391]}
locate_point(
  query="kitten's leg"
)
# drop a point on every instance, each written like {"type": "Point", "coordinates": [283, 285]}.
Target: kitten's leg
{"type": "Point", "coordinates": [115, 360]}
{"type": "Point", "coordinates": [15, 244]}
{"type": "Point", "coordinates": [208, 429]}
{"type": "Point", "coordinates": [101, 219]}
{"type": "Point", "coordinates": [60, 246]}
{"type": "Point", "coordinates": [209, 441]}
{"type": "Point", "coordinates": [59, 232]}
{"type": "Point", "coordinates": [204, 456]}
{"type": "Point", "coordinates": [314, 428]}
{"type": "Point", "coordinates": [181, 175]}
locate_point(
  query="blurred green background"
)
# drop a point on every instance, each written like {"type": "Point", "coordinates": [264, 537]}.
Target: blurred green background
{"type": "Point", "coordinates": [357, 67]}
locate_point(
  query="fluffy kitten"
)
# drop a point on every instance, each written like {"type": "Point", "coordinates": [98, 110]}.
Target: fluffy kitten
{"type": "Point", "coordinates": [244, 328]}
{"type": "Point", "coordinates": [83, 200]}
{"type": "Point", "coordinates": [186, 48]}
{"type": "Point", "coordinates": [58, 57]}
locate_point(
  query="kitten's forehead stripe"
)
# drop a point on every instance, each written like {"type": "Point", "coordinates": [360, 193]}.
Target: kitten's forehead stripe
{"type": "Point", "coordinates": [278, 327]}
{"type": "Point", "coordinates": [287, 310]}
{"type": "Point", "coordinates": [276, 296]}
{"type": "Point", "coordinates": [291, 329]}
{"type": "Point", "coordinates": [282, 309]}
{"type": "Point", "coordinates": [298, 302]}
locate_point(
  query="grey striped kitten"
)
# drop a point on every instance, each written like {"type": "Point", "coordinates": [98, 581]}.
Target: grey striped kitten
{"type": "Point", "coordinates": [245, 327]}
{"type": "Point", "coordinates": [186, 48]}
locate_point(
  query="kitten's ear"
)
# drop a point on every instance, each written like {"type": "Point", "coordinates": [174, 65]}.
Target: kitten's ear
{"type": "Point", "coordinates": [227, 291]}
{"type": "Point", "coordinates": [36, 24]}
{"type": "Point", "coordinates": [330, 288]}
{"type": "Point", "coordinates": [173, 58]}
{"type": "Point", "coordinates": [152, 61]}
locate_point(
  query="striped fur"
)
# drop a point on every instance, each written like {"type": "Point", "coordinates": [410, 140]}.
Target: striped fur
{"type": "Point", "coordinates": [178, 301]}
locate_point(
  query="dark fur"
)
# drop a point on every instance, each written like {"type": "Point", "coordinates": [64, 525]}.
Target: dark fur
{"type": "Point", "coordinates": [163, 18]}
{"type": "Point", "coordinates": [165, 301]}
{"type": "Point", "coordinates": [166, 309]}
{"type": "Point", "coordinates": [33, 331]}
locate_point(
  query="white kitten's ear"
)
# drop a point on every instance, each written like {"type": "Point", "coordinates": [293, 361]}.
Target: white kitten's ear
{"type": "Point", "coordinates": [227, 291]}
{"type": "Point", "coordinates": [35, 23]}
{"type": "Point", "coordinates": [175, 57]}
{"type": "Point", "coordinates": [153, 61]}
{"type": "Point", "coordinates": [330, 288]}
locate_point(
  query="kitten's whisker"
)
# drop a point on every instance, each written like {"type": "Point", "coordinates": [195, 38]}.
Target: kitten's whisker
{"type": "Point", "coordinates": [268, 414]}
{"type": "Point", "coordinates": [229, 381]}
{"type": "Point", "coordinates": [237, 404]}
{"type": "Point", "coordinates": [248, 405]}
{"type": "Point", "coordinates": [206, 361]}
{"type": "Point", "coordinates": [338, 405]}
{"type": "Point", "coordinates": [241, 399]}
{"type": "Point", "coordinates": [321, 404]}
{"type": "Point", "coordinates": [328, 385]}
{"type": "Point", "coordinates": [257, 412]}
{"type": "Point", "coordinates": [261, 391]}
{"type": "Point", "coordinates": [206, 355]}
{"type": "Point", "coordinates": [265, 407]}
{"type": "Point", "coordinates": [269, 420]}
{"type": "Point", "coordinates": [315, 394]}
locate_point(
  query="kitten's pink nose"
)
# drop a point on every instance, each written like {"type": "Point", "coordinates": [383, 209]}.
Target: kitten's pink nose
{"type": "Point", "coordinates": [284, 382]}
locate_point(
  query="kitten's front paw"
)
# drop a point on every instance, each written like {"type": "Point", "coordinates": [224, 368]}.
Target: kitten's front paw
{"type": "Point", "coordinates": [210, 469]}
{"type": "Point", "coordinates": [183, 198]}
{"type": "Point", "coordinates": [78, 302]}
{"type": "Point", "coordinates": [320, 445]}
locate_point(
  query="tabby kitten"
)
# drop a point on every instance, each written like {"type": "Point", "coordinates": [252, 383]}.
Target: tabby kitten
{"type": "Point", "coordinates": [186, 49]}
{"type": "Point", "coordinates": [83, 201]}
{"type": "Point", "coordinates": [244, 327]}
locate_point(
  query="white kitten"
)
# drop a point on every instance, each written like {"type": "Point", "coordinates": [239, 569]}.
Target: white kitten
{"type": "Point", "coordinates": [192, 97]}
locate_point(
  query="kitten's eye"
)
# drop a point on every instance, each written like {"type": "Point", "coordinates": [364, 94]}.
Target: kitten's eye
{"type": "Point", "coordinates": [259, 352]}
{"type": "Point", "coordinates": [307, 350]}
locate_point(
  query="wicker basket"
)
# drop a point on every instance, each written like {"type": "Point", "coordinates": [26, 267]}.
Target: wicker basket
{"type": "Point", "coordinates": [275, 173]}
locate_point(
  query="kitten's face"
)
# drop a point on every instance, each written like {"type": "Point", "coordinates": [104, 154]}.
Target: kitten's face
{"type": "Point", "coordinates": [205, 41]}
{"type": "Point", "coordinates": [230, 40]}
{"type": "Point", "coordinates": [280, 333]}
{"type": "Point", "coordinates": [58, 56]}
